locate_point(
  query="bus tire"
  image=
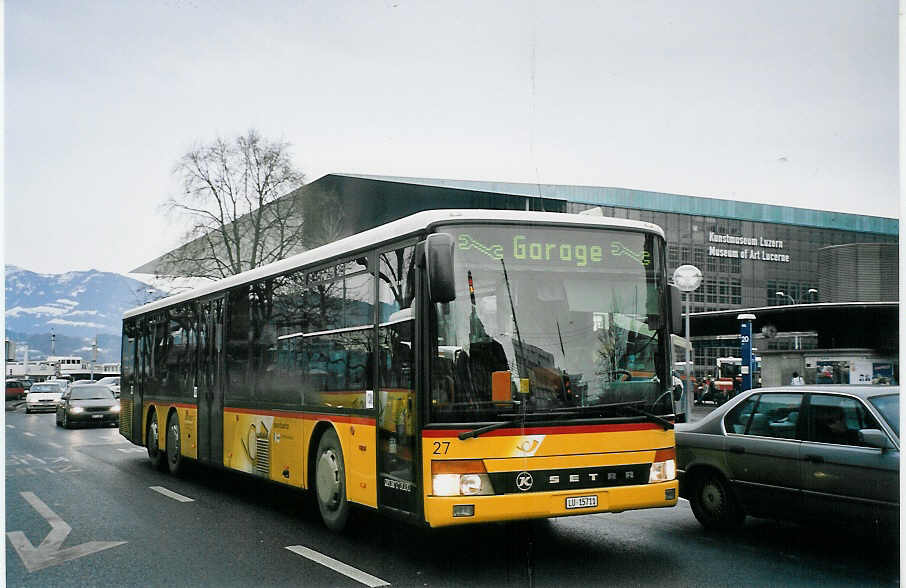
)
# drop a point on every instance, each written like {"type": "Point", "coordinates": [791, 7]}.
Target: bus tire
{"type": "Point", "coordinates": [174, 455]}
{"type": "Point", "coordinates": [155, 455]}
{"type": "Point", "coordinates": [330, 482]}
{"type": "Point", "coordinates": [714, 504]}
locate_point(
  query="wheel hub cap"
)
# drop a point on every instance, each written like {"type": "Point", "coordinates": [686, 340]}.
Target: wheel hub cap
{"type": "Point", "coordinates": [328, 479]}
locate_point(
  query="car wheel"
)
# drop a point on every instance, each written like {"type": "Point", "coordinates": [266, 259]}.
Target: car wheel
{"type": "Point", "coordinates": [174, 457]}
{"type": "Point", "coordinates": [155, 455]}
{"type": "Point", "coordinates": [330, 482]}
{"type": "Point", "coordinates": [714, 505]}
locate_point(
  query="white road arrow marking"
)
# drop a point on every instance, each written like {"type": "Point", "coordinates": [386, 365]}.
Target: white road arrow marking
{"type": "Point", "coordinates": [48, 553]}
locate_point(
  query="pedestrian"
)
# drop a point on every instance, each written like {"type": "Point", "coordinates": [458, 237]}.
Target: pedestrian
{"type": "Point", "coordinates": [797, 380]}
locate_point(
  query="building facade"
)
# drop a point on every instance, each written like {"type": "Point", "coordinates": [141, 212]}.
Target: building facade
{"type": "Point", "coordinates": [751, 255]}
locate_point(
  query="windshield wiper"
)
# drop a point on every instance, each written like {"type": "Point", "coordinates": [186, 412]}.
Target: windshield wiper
{"type": "Point", "coordinates": [650, 416]}
{"type": "Point", "coordinates": [512, 419]}
{"type": "Point", "coordinates": [631, 406]}
{"type": "Point", "coordinates": [486, 429]}
{"type": "Point", "coordinates": [575, 410]}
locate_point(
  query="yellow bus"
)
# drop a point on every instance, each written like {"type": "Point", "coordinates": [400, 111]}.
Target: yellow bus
{"type": "Point", "coordinates": [450, 367]}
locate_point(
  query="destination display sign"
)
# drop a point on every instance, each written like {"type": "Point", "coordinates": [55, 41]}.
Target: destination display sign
{"type": "Point", "coordinates": [580, 248]}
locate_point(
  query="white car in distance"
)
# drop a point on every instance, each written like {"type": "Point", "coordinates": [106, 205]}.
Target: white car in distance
{"type": "Point", "coordinates": [44, 396]}
{"type": "Point", "coordinates": [113, 382]}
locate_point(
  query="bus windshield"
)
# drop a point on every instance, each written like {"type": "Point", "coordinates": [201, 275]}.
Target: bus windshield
{"type": "Point", "coordinates": [551, 322]}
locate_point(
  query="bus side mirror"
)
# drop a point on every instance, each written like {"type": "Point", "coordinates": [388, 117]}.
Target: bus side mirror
{"type": "Point", "coordinates": [676, 310]}
{"type": "Point", "coordinates": [439, 259]}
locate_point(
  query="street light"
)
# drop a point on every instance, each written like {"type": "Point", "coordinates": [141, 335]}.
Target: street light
{"type": "Point", "coordinates": [801, 298]}
{"type": "Point", "coordinates": [779, 293]}
{"type": "Point", "coordinates": [688, 278]}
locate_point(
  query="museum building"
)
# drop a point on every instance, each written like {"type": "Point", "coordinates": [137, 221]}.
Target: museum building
{"type": "Point", "coordinates": [751, 255]}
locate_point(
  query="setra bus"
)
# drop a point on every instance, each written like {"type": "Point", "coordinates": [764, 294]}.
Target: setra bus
{"type": "Point", "coordinates": [450, 367]}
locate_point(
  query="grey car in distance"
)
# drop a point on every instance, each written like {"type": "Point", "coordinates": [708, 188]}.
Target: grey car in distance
{"type": "Point", "coordinates": [804, 453]}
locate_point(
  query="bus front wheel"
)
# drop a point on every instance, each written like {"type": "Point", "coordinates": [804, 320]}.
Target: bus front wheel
{"type": "Point", "coordinates": [330, 482]}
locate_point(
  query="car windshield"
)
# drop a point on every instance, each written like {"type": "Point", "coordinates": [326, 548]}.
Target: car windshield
{"type": "Point", "coordinates": [91, 392]}
{"type": "Point", "coordinates": [45, 388]}
{"type": "Point", "coordinates": [550, 321]}
{"type": "Point", "coordinates": [889, 407]}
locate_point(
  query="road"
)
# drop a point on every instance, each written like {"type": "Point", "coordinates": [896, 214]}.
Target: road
{"type": "Point", "coordinates": [213, 528]}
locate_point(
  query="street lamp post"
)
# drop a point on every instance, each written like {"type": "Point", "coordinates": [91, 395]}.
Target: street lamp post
{"type": "Point", "coordinates": [94, 355]}
{"type": "Point", "coordinates": [785, 295]}
{"type": "Point", "coordinates": [688, 278]}
{"type": "Point", "coordinates": [801, 298]}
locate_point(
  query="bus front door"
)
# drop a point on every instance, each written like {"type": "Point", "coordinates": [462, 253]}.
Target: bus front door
{"type": "Point", "coordinates": [398, 488]}
{"type": "Point", "coordinates": [210, 381]}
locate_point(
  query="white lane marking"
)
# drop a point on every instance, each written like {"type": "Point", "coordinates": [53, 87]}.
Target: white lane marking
{"type": "Point", "coordinates": [27, 434]}
{"type": "Point", "coordinates": [10, 426]}
{"type": "Point", "coordinates": [48, 553]}
{"type": "Point", "coordinates": [131, 450]}
{"type": "Point", "coordinates": [171, 494]}
{"type": "Point", "coordinates": [56, 445]}
{"type": "Point", "coordinates": [338, 566]}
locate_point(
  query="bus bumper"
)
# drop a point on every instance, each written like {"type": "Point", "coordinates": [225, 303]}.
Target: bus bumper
{"type": "Point", "coordinates": [439, 510]}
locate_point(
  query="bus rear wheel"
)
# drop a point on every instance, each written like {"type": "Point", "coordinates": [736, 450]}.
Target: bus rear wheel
{"type": "Point", "coordinates": [330, 482]}
{"type": "Point", "coordinates": [155, 455]}
{"type": "Point", "coordinates": [174, 456]}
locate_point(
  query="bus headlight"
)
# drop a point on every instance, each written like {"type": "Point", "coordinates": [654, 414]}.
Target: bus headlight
{"type": "Point", "coordinates": [465, 477]}
{"type": "Point", "coordinates": [664, 467]}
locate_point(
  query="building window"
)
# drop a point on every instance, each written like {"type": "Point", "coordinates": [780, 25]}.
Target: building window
{"type": "Point", "coordinates": [735, 291]}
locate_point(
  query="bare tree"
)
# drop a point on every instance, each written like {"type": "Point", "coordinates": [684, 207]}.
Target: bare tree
{"type": "Point", "coordinates": [231, 197]}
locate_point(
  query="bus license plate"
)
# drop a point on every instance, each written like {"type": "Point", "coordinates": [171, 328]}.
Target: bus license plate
{"type": "Point", "coordinates": [581, 502]}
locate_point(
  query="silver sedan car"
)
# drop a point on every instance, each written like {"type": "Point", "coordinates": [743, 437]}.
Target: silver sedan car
{"type": "Point", "coordinates": [825, 453]}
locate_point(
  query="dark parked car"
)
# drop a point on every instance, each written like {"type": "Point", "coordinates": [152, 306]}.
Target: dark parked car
{"type": "Point", "coordinates": [89, 404]}
{"type": "Point", "coordinates": [823, 453]}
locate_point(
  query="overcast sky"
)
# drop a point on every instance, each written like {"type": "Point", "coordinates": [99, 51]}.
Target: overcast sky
{"type": "Point", "coordinates": [788, 102]}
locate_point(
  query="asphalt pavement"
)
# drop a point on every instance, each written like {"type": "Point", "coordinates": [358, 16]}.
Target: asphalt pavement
{"type": "Point", "coordinates": [129, 525]}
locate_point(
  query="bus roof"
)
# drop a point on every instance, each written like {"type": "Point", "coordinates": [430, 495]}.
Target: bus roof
{"type": "Point", "coordinates": [401, 228]}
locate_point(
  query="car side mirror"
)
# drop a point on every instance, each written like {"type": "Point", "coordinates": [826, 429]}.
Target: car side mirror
{"type": "Point", "coordinates": [874, 438]}
{"type": "Point", "coordinates": [439, 261]}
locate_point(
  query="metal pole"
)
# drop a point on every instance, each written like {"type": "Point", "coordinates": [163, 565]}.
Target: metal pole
{"type": "Point", "coordinates": [688, 367]}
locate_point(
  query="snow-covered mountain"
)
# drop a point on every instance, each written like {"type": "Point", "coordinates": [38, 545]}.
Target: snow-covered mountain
{"type": "Point", "coordinates": [77, 304]}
